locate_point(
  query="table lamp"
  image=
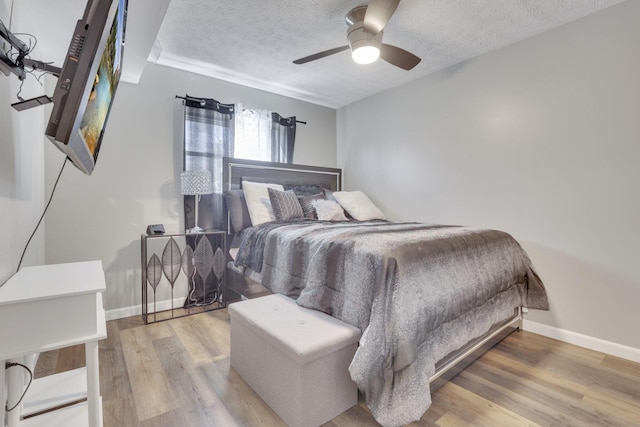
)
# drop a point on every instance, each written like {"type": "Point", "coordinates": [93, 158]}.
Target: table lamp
{"type": "Point", "coordinates": [196, 183]}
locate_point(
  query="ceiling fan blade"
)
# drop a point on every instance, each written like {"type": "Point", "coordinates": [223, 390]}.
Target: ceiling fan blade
{"type": "Point", "coordinates": [320, 55]}
{"type": "Point", "coordinates": [398, 57]}
{"type": "Point", "coordinates": [378, 14]}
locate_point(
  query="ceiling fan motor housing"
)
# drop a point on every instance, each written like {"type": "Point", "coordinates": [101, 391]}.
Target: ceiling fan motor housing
{"type": "Point", "coordinates": [356, 15]}
{"type": "Point", "coordinates": [358, 37]}
{"type": "Point", "coordinates": [356, 33]}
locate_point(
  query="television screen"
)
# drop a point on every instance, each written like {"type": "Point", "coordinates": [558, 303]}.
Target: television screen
{"type": "Point", "coordinates": [88, 81]}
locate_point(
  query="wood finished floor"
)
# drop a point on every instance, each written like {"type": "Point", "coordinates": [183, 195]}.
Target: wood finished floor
{"type": "Point", "coordinates": [176, 373]}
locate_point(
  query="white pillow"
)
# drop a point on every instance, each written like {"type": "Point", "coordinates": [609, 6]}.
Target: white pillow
{"type": "Point", "coordinates": [358, 205]}
{"type": "Point", "coordinates": [257, 196]}
{"type": "Point", "coordinates": [328, 210]}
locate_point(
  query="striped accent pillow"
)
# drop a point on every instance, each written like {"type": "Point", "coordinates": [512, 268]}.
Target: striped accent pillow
{"type": "Point", "coordinates": [285, 204]}
{"type": "Point", "coordinates": [306, 202]}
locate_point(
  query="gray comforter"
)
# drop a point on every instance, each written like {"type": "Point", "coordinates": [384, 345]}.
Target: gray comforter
{"type": "Point", "coordinates": [416, 291]}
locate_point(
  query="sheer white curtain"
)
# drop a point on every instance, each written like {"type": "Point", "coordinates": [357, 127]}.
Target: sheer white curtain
{"type": "Point", "coordinates": [252, 134]}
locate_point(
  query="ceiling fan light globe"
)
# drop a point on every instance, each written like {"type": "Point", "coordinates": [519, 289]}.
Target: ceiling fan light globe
{"type": "Point", "coordinates": [365, 54]}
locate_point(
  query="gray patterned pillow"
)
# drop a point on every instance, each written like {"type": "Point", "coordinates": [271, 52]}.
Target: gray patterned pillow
{"type": "Point", "coordinates": [285, 204]}
{"type": "Point", "coordinates": [304, 190]}
{"type": "Point", "coordinates": [306, 202]}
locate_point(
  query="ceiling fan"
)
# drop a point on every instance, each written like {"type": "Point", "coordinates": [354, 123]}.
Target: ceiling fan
{"type": "Point", "coordinates": [364, 34]}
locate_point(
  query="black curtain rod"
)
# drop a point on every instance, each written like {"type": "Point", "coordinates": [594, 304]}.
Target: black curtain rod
{"type": "Point", "coordinates": [193, 98]}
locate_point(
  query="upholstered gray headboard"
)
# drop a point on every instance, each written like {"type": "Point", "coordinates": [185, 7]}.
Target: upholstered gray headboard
{"type": "Point", "coordinates": [237, 170]}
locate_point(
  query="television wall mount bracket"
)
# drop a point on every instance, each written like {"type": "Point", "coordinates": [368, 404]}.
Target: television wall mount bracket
{"type": "Point", "coordinates": [17, 67]}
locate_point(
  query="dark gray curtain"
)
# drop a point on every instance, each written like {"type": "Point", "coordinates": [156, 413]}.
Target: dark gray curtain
{"type": "Point", "coordinates": [283, 138]}
{"type": "Point", "coordinates": [209, 131]}
{"type": "Point", "coordinates": [208, 137]}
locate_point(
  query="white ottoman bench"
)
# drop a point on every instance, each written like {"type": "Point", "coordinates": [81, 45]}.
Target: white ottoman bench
{"type": "Point", "coordinates": [295, 359]}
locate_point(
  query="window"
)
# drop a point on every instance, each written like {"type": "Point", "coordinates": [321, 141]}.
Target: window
{"type": "Point", "coordinates": [252, 134]}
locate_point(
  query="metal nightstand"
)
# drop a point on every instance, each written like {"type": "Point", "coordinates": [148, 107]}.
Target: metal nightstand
{"type": "Point", "coordinates": [182, 274]}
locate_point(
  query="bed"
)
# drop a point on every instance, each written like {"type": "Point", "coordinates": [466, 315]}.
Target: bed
{"type": "Point", "coordinates": [428, 298]}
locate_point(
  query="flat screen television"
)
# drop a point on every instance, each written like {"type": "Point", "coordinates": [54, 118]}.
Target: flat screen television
{"type": "Point", "coordinates": [87, 83]}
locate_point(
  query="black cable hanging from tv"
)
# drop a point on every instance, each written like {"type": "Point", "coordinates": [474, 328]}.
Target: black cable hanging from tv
{"type": "Point", "coordinates": [53, 191]}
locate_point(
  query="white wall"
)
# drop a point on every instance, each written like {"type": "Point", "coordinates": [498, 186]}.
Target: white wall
{"type": "Point", "coordinates": [21, 166]}
{"type": "Point", "coordinates": [134, 184]}
{"type": "Point", "coordinates": [540, 139]}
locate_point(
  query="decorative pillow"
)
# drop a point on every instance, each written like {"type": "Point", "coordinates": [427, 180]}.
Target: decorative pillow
{"type": "Point", "coordinates": [257, 196]}
{"type": "Point", "coordinates": [304, 190]}
{"type": "Point", "coordinates": [285, 204]}
{"type": "Point", "coordinates": [328, 194]}
{"type": "Point", "coordinates": [306, 202]}
{"type": "Point", "coordinates": [237, 208]}
{"type": "Point", "coordinates": [359, 206]}
{"type": "Point", "coordinates": [328, 210]}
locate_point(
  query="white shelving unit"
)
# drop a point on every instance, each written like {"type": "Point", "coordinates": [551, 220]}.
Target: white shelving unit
{"type": "Point", "coordinates": [45, 308]}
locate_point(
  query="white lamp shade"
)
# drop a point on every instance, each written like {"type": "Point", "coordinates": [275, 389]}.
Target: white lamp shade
{"type": "Point", "coordinates": [195, 182]}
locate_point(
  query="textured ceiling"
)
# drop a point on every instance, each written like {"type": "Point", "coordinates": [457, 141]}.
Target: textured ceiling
{"type": "Point", "coordinates": [253, 42]}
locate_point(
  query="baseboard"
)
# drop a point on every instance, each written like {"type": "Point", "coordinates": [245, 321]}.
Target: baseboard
{"type": "Point", "coordinates": [119, 313]}
{"type": "Point", "coordinates": [608, 347]}
{"type": "Point", "coordinates": [136, 310]}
